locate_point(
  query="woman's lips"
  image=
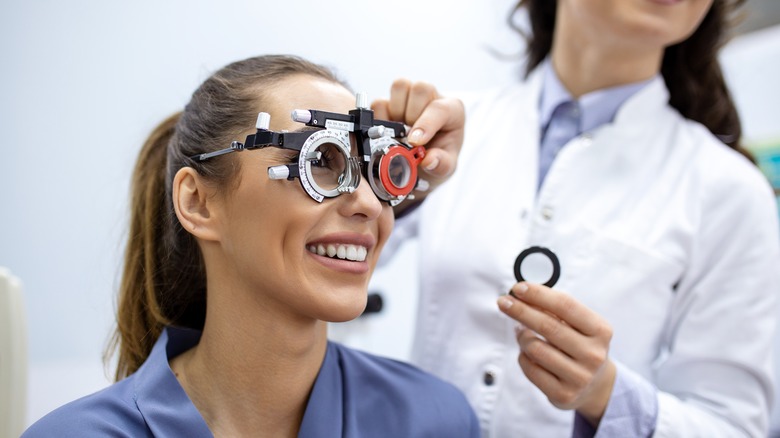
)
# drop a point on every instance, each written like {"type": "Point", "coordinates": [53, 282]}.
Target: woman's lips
{"type": "Point", "coordinates": [341, 265]}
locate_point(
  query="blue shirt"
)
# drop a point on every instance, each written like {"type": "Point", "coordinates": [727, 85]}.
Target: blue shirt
{"type": "Point", "coordinates": [355, 395]}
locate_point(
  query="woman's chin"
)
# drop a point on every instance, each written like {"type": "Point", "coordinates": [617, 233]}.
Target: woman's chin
{"type": "Point", "coordinates": [346, 310]}
{"type": "Point", "coordinates": [346, 314]}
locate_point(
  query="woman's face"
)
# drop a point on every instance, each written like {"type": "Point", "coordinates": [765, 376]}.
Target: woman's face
{"type": "Point", "coordinates": [649, 23]}
{"type": "Point", "coordinates": [272, 226]}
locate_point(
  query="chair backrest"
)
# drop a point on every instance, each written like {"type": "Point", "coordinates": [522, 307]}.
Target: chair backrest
{"type": "Point", "coordinates": [13, 356]}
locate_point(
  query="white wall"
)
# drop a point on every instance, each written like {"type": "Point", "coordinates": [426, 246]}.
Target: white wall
{"type": "Point", "coordinates": [751, 65]}
{"type": "Point", "coordinates": [83, 82]}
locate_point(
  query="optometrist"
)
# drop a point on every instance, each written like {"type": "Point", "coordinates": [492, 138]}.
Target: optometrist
{"type": "Point", "coordinates": [620, 154]}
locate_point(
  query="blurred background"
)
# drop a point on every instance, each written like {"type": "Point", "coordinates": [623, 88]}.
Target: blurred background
{"type": "Point", "coordinates": [83, 82]}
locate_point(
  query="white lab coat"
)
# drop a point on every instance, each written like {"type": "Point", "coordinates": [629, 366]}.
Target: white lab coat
{"type": "Point", "coordinates": [659, 227]}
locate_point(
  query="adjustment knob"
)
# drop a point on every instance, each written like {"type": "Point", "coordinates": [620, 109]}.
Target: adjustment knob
{"type": "Point", "coordinates": [263, 121]}
{"type": "Point", "coordinates": [361, 100]}
{"type": "Point", "coordinates": [278, 172]}
{"type": "Point", "coordinates": [301, 116]}
{"type": "Point", "coordinates": [375, 132]}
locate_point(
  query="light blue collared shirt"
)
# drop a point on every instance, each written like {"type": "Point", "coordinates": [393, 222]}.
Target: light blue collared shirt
{"type": "Point", "coordinates": [355, 395]}
{"type": "Point", "coordinates": [562, 118]}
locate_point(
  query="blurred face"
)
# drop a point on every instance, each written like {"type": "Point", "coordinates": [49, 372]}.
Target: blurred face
{"type": "Point", "coordinates": [297, 256]}
{"type": "Point", "coordinates": [654, 23]}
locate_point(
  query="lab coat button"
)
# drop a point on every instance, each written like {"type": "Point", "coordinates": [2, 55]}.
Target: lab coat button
{"type": "Point", "coordinates": [587, 138]}
{"type": "Point", "coordinates": [489, 378]}
{"type": "Point", "coordinates": [547, 213]}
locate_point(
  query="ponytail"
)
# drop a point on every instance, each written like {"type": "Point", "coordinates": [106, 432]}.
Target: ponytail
{"type": "Point", "coordinates": [139, 318]}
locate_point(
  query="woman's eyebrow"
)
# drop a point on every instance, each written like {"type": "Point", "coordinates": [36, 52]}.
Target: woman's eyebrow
{"type": "Point", "coordinates": [307, 129]}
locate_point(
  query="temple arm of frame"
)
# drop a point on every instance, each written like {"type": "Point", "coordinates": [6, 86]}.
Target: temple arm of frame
{"type": "Point", "coordinates": [286, 140]}
{"type": "Point", "coordinates": [234, 146]}
{"type": "Point", "coordinates": [262, 138]}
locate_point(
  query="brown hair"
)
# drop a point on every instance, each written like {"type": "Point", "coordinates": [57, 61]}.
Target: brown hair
{"type": "Point", "coordinates": [690, 68]}
{"type": "Point", "coordinates": [163, 280]}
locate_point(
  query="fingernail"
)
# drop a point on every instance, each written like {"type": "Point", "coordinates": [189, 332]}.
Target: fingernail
{"type": "Point", "coordinates": [433, 164]}
{"type": "Point", "coordinates": [521, 288]}
{"type": "Point", "coordinates": [519, 329]}
{"type": "Point", "coordinates": [505, 303]}
{"type": "Point", "coordinates": [416, 135]}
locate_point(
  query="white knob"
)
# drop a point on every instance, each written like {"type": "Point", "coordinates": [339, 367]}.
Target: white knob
{"type": "Point", "coordinates": [301, 116]}
{"type": "Point", "coordinates": [263, 121]}
{"type": "Point", "coordinates": [278, 172]}
{"type": "Point", "coordinates": [375, 132]}
{"type": "Point", "coordinates": [361, 100]}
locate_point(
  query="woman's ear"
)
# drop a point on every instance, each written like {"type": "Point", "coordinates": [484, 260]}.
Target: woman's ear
{"type": "Point", "coordinates": [193, 206]}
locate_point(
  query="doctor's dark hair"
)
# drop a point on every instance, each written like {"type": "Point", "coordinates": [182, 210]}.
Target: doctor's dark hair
{"type": "Point", "coordinates": [690, 68]}
{"type": "Point", "coordinates": [164, 279]}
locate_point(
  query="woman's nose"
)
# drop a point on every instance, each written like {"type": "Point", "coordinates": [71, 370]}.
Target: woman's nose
{"type": "Point", "coordinates": [362, 202]}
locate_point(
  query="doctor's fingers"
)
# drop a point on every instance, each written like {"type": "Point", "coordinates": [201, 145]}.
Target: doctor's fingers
{"type": "Point", "coordinates": [409, 99]}
{"type": "Point", "coordinates": [439, 126]}
{"type": "Point", "coordinates": [440, 129]}
{"type": "Point", "coordinates": [564, 306]}
{"type": "Point", "coordinates": [590, 350]}
{"type": "Point", "coordinates": [558, 376]}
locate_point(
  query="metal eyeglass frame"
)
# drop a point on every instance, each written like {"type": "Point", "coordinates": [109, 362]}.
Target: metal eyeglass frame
{"type": "Point", "coordinates": [379, 146]}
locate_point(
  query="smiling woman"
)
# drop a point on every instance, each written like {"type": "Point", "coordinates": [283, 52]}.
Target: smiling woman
{"type": "Point", "coordinates": [231, 277]}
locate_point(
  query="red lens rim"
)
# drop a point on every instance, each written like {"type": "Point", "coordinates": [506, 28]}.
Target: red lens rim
{"type": "Point", "coordinates": [413, 156]}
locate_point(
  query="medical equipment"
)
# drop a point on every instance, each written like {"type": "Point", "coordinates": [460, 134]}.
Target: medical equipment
{"type": "Point", "coordinates": [325, 165]}
{"type": "Point", "coordinates": [556, 265]}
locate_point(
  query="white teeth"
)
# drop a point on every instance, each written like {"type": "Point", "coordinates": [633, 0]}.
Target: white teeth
{"type": "Point", "coordinates": [345, 252]}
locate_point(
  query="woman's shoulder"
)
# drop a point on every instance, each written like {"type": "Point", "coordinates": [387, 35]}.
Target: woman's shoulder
{"type": "Point", "coordinates": [385, 370]}
{"type": "Point", "coordinates": [721, 165]}
{"type": "Point", "coordinates": [422, 400]}
{"type": "Point", "coordinates": [108, 412]}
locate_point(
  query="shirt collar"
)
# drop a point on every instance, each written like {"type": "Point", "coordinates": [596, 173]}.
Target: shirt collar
{"type": "Point", "coordinates": [168, 411]}
{"type": "Point", "coordinates": [324, 415]}
{"type": "Point", "coordinates": [553, 94]}
{"type": "Point", "coordinates": [165, 406]}
{"type": "Point", "coordinates": [596, 108]}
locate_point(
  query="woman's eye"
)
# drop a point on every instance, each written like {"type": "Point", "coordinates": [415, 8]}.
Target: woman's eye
{"type": "Point", "coordinates": [328, 158]}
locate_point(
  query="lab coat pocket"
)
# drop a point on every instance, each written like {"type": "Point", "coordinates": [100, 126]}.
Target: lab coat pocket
{"type": "Point", "coordinates": [632, 286]}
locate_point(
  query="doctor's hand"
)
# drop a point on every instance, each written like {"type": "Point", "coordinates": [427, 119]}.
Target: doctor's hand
{"type": "Point", "coordinates": [436, 123]}
{"type": "Point", "coordinates": [563, 348]}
